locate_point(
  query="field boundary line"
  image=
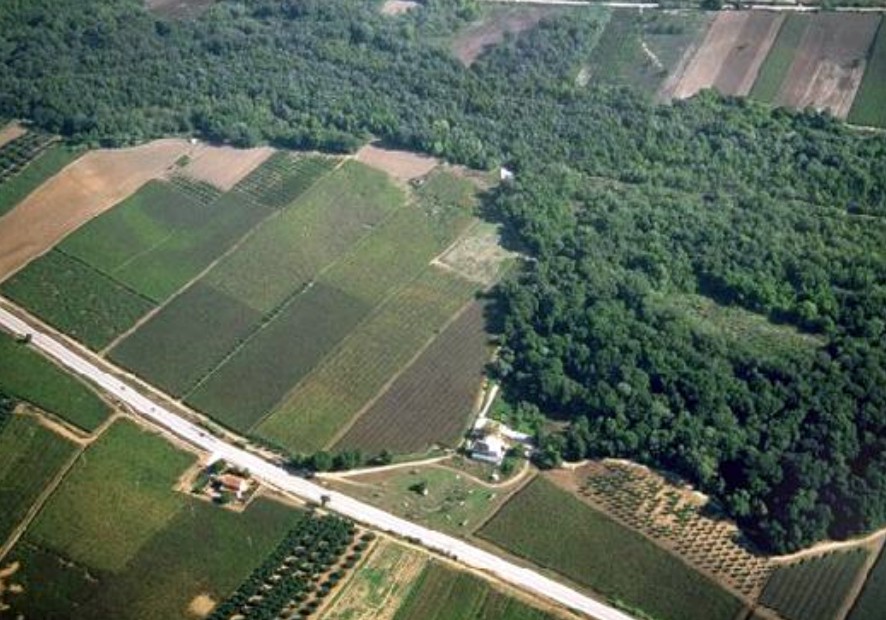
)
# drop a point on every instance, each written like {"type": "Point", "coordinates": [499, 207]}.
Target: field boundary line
{"type": "Point", "coordinates": [387, 385]}
{"type": "Point", "coordinates": [187, 285]}
{"type": "Point", "coordinates": [511, 494]}
{"type": "Point", "coordinates": [48, 489]}
{"type": "Point", "coordinates": [875, 548]}
{"type": "Point", "coordinates": [268, 318]}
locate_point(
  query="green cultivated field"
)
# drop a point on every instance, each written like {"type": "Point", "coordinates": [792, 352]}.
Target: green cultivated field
{"type": "Point", "coordinates": [554, 529]}
{"type": "Point", "coordinates": [30, 456]}
{"type": "Point", "coordinates": [14, 189]}
{"type": "Point", "coordinates": [159, 238]}
{"type": "Point", "coordinates": [201, 550]}
{"type": "Point", "coordinates": [114, 500]}
{"type": "Point", "coordinates": [813, 589]}
{"type": "Point", "coordinates": [441, 593]}
{"type": "Point", "coordinates": [371, 355]}
{"type": "Point", "coordinates": [182, 343]}
{"type": "Point", "coordinates": [76, 299]}
{"type": "Point", "coordinates": [869, 106]}
{"type": "Point", "coordinates": [872, 601]}
{"type": "Point", "coordinates": [30, 377]}
{"type": "Point", "coordinates": [775, 68]}
{"type": "Point", "coordinates": [284, 177]}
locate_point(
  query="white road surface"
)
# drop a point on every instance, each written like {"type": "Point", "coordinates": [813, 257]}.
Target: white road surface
{"type": "Point", "coordinates": [275, 476]}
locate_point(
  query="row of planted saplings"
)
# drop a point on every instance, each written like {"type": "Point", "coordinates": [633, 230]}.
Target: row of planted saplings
{"type": "Point", "coordinates": [289, 575]}
{"type": "Point", "coordinates": [17, 153]}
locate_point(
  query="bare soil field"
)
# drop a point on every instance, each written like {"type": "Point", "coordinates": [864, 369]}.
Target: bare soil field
{"type": "Point", "coordinates": [224, 166]}
{"type": "Point", "coordinates": [84, 189]}
{"type": "Point", "coordinates": [491, 29]}
{"type": "Point", "coordinates": [730, 56]}
{"type": "Point", "coordinates": [397, 7]}
{"type": "Point", "coordinates": [401, 165]}
{"type": "Point", "coordinates": [829, 62]}
{"type": "Point", "coordinates": [10, 132]}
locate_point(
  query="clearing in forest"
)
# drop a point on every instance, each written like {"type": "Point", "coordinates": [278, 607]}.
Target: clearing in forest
{"type": "Point", "coordinates": [491, 29]}
{"type": "Point", "coordinates": [829, 62]}
{"type": "Point", "coordinates": [10, 132]}
{"type": "Point", "coordinates": [731, 54]}
{"type": "Point", "coordinates": [88, 187]}
{"type": "Point", "coordinates": [398, 7]}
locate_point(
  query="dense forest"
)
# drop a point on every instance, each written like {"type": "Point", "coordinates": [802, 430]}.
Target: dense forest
{"type": "Point", "coordinates": [626, 207]}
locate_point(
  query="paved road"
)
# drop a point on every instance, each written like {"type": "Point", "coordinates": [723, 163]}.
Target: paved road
{"type": "Point", "coordinates": [279, 478]}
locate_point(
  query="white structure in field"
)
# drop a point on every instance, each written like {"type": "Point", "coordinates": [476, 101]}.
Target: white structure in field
{"type": "Point", "coordinates": [490, 448]}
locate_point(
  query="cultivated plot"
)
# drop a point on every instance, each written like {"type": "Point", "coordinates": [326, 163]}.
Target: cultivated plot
{"type": "Point", "coordinates": [14, 189]}
{"type": "Point", "coordinates": [872, 600]}
{"type": "Point", "coordinates": [91, 185]}
{"type": "Point", "coordinates": [816, 588]}
{"type": "Point", "coordinates": [730, 56]}
{"type": "Point", "coordinates": [431, 402]}
{"type": "Point", "coordinates": [30, 457]}
{"type": "Point", "coordinates": [28, 376]}
{"type": "Point", "coordinates": [550, 527]}
{"type": "Point", "coordinates": [868, 107]}
{"type": "Point", "coordinates": [116, 540]}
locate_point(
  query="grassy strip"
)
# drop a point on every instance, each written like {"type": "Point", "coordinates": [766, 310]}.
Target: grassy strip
{"type": "Point", "coordinates": [47, 164]}
{"type": "Point", "coordinates": [30, 456]}
{"type": "Point", "coordinates": [115, 499]}
{"type": "Point", "coordinates": [868, 107]}
{"type": "Point", "coordinates": [813, 589]}
{"type": "Point", "coordinates": [775, 68]}
{"type": "Point", "coordinates": [554, 529]}
{"type": "Point", "coordinates": [872, 600]}
{"type": "Point", "coordinates": [30, 377]}
{"type": "Point", "coordinates": [441, 593]}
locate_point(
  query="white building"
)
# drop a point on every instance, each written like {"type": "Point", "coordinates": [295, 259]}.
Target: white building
{"type": "Point", "coordinates": [490, 448]}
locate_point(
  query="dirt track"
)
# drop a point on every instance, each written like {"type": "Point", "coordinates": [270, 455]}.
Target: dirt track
{"type": "Point", "coordinates": [730, 56]}
{"type": "Point", "coordinates": [84, 189]}
{"type": "Point", "coordinates": [829, 62]}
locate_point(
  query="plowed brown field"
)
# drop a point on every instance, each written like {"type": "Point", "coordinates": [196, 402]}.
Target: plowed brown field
{"type": "Point", "coordinates": [730, 56]}
{"type": "Point", "coordinates": [829, 62]}
{"type": "Point", "coordinates": [224, 166]}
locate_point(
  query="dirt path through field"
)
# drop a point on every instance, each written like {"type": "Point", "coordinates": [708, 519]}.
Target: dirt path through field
{"type": "Point", "coordinates": [10, 132]}
{"type": "Point", "coordinates": [731, 54]}
{"type": "Point", "coordinates": [829, 62]}
{"type": "Point", "coordinates": [82, 190]}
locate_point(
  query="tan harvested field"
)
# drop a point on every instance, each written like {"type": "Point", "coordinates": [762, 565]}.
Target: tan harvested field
{"type": "Point", "coordinates": [224, 166]}
{"type": "Point", "coordinates": [84, 189]}
{"type": "Point", "coordinates": [10, 132]}
{"type": "Point", "coordinates": [829, 62]}
{"type": "Point", "coordinates": [491, 30]}
{"type": "Point", "coordinates": [396, 7]}
{"type": "Point", "coordinates": [401, 165]}
{"type": "Point", "coordinates": [729, 58]}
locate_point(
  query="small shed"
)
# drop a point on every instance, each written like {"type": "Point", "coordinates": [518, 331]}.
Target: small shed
{"type": "Point", "coordinates": [490, 448]}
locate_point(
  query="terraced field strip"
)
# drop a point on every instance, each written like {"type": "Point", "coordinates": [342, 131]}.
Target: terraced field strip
{"type": "Point", "coordinates": [30, 457]}
{"type": "Point", "coordinates": [326, 401]}
{"type": "Point", "coordinates": [267, 270]}
{"type": "Point", "coordinates": [813, 589]}
{"type": "Point", "coordinates": [778, 62]}
{"type": "Point", "coordinates": [868, 107]}
{"type": "Point", "coordinates": [554, 529]}
{"type": "Point", "coordinates": [872, 600]}
{"type": "Point", "coordinates": [729, 59]}
{"type": "Point", "coordinates": [829, 62]}
{"type": "Point", "coordinates": [432, 400]}
{"type": "Point", "coordinates": [316, 321]}
{"type": "Point", "coordinates": [30, 377]}
{"type": "Point", "coordinates": [442, 593]}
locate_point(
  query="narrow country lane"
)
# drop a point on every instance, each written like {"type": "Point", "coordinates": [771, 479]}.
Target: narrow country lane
{"type": "Point", "coordinates": [277, 477]}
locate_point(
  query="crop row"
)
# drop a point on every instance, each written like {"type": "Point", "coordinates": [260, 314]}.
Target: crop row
{"type": "Point", "coordinates": [18, 153]}
{"type": "Point", "coordinates": [308, 560]}
{"type": "Point", "coordinates": [284, 177]}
